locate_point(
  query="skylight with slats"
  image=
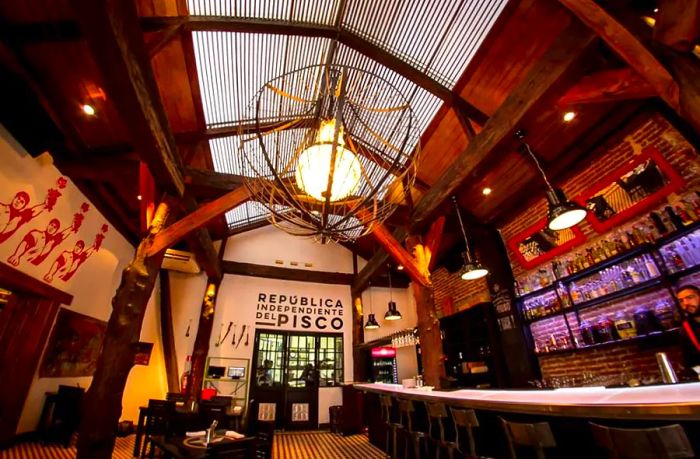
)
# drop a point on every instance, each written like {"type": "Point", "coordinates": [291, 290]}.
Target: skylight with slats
{"type": "Point", "coordinates": [438, 38]}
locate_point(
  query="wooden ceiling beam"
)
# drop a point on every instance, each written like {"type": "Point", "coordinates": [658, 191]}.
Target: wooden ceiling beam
{"type": "Point", "coordinates": [674, 76]}
{"type": "Point", "coordinates": [64, 30]}
{"type": "Point", "coordinates": [118, 49]}
{"type": "Point", "coordinates": [161, 39]}
{"type": "Point", "coordinates": [291, 274]}
{"type": "Point", "coordinates": [547, 72]}
{"type": "Point", "coordinates": [678, 24]}
{"type": "Point", "coordinates": [433, 239]}
{"type": "Point", "coordinates": [218, 181]}
{"type": "Point", "coordinates": [197, 219]}
{"type": "Point", "coordinates": [628, 47]}
{"type": "Point", "coordinates": [608, 86]}
{"type": "Point", "coordinates": [114, 35]}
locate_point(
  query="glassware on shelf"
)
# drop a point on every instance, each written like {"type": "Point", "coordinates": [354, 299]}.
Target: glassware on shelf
{"type": "Point", "coordinates": [645, 321]}
{"type": "Point", "coordinates": [664, 313]}
{"type": "Point", "coordinates": [604, 330]}
{"type": "Point", "coordinates": [586, 330]}
{"type": "Point", "coordinates": [625, 325]}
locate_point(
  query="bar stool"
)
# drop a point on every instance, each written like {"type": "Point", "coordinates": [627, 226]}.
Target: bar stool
{"type": "Point", "coordinates": [437, 413]}
{"type": "Point", "coordinates": [657, 442]}
{"type": "Point", "coordinates": [392, 427]}
{"type": "Point", "coordinates": [536, 435]}
{"type": "Point", "coordinates": [465, 419]}
{"type": "Point", "coordinates": [417, 437]}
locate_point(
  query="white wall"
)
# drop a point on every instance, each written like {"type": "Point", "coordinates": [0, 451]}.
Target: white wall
{"type": "Point", "coordinates": [94, 283]}
{"type": "Point", "coordinates": [238, 297]}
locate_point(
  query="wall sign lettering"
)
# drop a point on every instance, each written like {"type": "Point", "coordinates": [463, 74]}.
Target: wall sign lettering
{"type": "Point", "coordinates": [298, 312]}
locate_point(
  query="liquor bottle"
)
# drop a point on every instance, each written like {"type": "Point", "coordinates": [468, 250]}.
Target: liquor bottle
{"type": "Point", "coordinates": [690, 209]}
{"type": "Point", "coordinates": [589, 257]}
{"type": "Point", "coordinates": [651, 266]}
{"type": "Point", "coordinates": [186, 375]}
{"type": "Point", "coordinates": [658, 223]}
{"type": "Point", "coordinates": [674, 218]}
{"type": "Point", "coordinates": [683, 215]}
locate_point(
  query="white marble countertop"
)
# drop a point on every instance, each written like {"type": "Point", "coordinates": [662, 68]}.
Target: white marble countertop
{"type": "Point", "coordinates": [671, 401]}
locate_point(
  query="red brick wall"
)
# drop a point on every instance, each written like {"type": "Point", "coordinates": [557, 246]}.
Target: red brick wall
{"type": "Point", "coordinates": [647, 129]}
{"type": "Point", "coordinates": [451, 292]}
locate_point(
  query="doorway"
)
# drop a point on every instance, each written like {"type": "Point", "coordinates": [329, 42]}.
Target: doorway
{"type": "Point", "coordinates": [289, 367]}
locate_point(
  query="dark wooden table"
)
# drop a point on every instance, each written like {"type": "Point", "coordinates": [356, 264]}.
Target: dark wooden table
{"type": "Point", "coordinates": [184, 416]}
{"type": "Point", "coordinates": [176, 448]}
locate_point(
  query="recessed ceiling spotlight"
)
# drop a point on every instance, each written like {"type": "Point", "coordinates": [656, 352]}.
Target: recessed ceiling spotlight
{"type": "Point", "coordinates": [656, 10]}
{"type": "Point", "coordinates": [486, 191]}
{"type": "Point", "coordinates": [400, 267]}
{"type": "Point", "coordinates": [569, 116]}
{"type": "Point", "coordinates": [138, 197]}
{"type": "Point", "coordinates": [88, 109]}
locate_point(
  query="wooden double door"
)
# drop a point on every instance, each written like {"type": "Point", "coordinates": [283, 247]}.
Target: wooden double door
{"type": "Point", "coordinates": [285, 379]}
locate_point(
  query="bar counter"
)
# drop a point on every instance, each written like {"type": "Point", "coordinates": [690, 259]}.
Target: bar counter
{"type": "Point", "coordinates": [669, 402]}
{"type": "Point", "coordinates": [568, 411]}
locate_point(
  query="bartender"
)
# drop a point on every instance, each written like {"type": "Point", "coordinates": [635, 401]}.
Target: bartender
{"type": "Point", "coordinates": [689, 300]}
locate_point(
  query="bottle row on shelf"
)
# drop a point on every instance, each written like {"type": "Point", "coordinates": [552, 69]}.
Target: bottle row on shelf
{"type": "Point", "coordinates": [679, 254]}
{"type": "Point", "coordinates": [623, 325]}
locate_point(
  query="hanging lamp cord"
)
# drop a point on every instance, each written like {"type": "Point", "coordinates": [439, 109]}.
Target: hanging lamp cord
{"type": "Point", "coordinates": [520, 135]}
{"type": "Point", "coordinates": [391, 296]}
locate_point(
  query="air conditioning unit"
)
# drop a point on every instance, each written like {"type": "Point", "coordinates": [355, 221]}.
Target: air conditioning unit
{"type": "Point", "coordinates": [179, 260]}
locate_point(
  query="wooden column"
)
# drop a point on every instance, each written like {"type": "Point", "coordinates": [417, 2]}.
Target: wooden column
{"type": "Point", "coordinates": [103, 400]}
{"type": "Point", "coordinates": [428, 325]}
{"type": "Point", "coordinates": [166, 333]}
{"type": "Point", "coordinates": [201, 342]}
{"type": "Point", "coordinates": [359, 370]}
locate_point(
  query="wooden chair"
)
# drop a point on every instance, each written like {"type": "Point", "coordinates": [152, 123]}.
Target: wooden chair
{"type": "Point", "coordinates": [437, 415]}
{"type": "Point", "coordinates": [392, 427]}
{"type": "Point", "coordinates": [240, 449]}
{"type": "Point", "coordinates": [160, 414]}
{"type": "Point", "coordinates": [537, 436]}
{"type": "Point", "coordinates": [465, 419]}
{"type": "Point", "coordinates": [65, 418]}
{"type": "Point", "coordinates": [211, 410]}
{"type": "Point", "coordinates": [657, 442]}
{"type": "Point", "coordinates": [417, 435]}
{"type": "Point", "coordinates": [264, 432]}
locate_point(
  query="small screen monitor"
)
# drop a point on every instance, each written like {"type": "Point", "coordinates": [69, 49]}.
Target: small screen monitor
{"type": "Point", "coordinates": [236, 372]}
{"type": "Point", "coordinates": [215, 372]}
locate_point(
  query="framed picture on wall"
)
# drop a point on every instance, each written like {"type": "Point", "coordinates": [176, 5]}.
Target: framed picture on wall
{"type": "Point", "coordinates": [538, 244]}
{"type": "Point", "coordinates": [74, 345]}
{"type": "Point", "coordinates": [142, 354]}
{"type": "Point", "coordinates": [631, 189]}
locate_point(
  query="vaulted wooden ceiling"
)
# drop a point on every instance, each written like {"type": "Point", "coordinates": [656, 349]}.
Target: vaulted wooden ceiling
{"type": "Point", "coordinates": [51, 72]}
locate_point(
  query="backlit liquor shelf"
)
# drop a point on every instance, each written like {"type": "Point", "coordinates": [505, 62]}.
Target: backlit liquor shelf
{"type": "Point", "coordinates": [644, 268]}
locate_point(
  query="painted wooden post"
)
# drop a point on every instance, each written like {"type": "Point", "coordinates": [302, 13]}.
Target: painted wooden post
{"type": "Point", "coordinates": [103, 400]}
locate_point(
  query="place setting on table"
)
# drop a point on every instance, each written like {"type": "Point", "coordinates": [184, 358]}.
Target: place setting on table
{"type": "Point", "coordinates": [206, 443]}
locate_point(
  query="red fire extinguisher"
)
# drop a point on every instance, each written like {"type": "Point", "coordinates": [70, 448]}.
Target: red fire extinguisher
{"type": "Point", "coordinates": [186, 375]}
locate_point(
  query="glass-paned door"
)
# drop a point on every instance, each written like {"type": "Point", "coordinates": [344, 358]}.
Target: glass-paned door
{"type": "Point", "coordinates": [269, 364]}
{"type": "Point", "coordinates": [330, 360]}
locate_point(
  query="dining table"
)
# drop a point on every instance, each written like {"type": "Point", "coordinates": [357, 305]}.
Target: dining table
{"type": "Point", "coordinates": [193, 447]}
{"type": "Point", "coordinates": [184, 416]}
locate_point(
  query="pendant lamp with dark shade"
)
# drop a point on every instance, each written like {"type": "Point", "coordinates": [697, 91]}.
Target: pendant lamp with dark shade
{"type": "Point", "coordinates": [371, 323]}
{"type": "Point", "coordinates": [562, 213]}
{"type": "Point", "coordinates": [472, 269]}
{"type": "Point", "coordinates": [392, 313]}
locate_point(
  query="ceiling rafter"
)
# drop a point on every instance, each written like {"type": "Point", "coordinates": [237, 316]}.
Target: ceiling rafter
{"type": "Point", "coordinates": [121, 56]}
{"type": "Point", "coordinates": [65, 30]}
{"type": "Point", "coordinates": [547, 71]}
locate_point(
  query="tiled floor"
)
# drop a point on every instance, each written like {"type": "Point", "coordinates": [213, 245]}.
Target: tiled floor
{"type": "Point", "coordinates": [292, 445]}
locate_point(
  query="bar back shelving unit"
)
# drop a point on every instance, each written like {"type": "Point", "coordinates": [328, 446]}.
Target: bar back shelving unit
{"type": "Point", "coordinates": [641, 269]}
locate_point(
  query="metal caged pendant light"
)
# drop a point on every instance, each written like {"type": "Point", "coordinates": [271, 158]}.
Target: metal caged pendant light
{"type": "Point", "coordinates": [329, 150]}
{"type": "Point", "coordinates": [562, 213]}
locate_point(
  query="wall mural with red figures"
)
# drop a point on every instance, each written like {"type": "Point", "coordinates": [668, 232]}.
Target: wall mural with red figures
{"type": "Point", "coordinates": [17, 212]}
{"type": "Point", "coordinates": [70, 260]}
{"type": "Point", "coordinates": [38, 244]}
